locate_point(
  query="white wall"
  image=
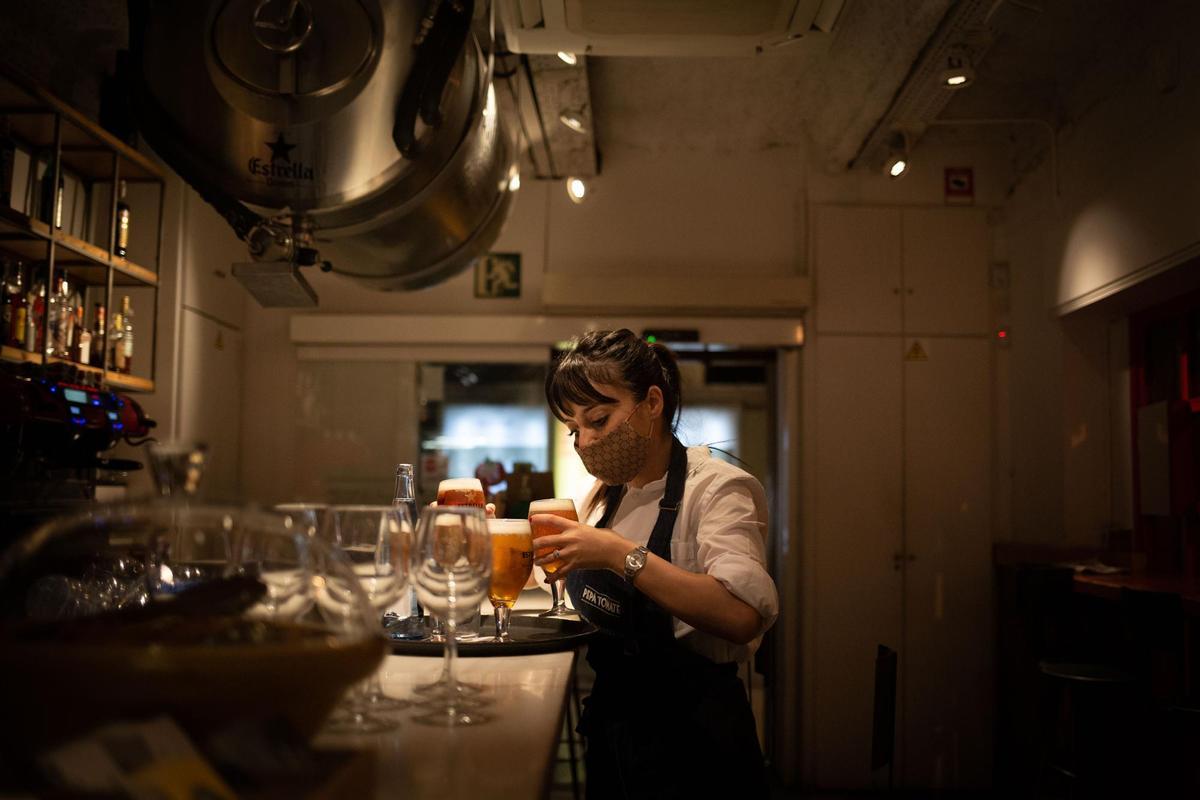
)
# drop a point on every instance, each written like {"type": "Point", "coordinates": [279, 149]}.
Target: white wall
{"type": "Point", "coordinates": [1130, 184]}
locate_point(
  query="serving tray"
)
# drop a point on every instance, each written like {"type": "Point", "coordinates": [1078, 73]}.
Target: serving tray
{"type": "Point", "coordinates": [531, 635]}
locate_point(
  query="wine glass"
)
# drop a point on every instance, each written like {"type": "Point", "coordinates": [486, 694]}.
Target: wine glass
{"type": "Point", "coordinates": [452, 569]}
{"type": "Point", "coordinates": [283, 563]}
{"type": "Point", "coordinates": [512, 561]}
{"type": "Point", "coordinates": [306, 517]}
{"type": "Point", "coordinates": [377, 541]}
{"type": "Point", "coordinates": [559, 507]}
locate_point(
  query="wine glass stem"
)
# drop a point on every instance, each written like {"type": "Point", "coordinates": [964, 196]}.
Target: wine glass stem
{"type": "Point", "coordinates": [448, 663]}
{"type": "Point", "coordinates": [557, 591]}
{"type": "Point", "coordinates": [502, 617]}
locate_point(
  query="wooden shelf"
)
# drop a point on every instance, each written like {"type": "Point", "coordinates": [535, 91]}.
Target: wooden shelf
{"type": "Point", "coordinates": [16, 354]}
{"type": "Point", "coordinates": [87, 148]}
{"type": "Point", "coordinates": [48, 129]}
{"type": "Point", "coordinates": [26, 238]}
{"type": "Point", "coordinates": [140, 275]}
{"type": "Point", "coordinates": [99, 373]}
{"type": "Point", "coordinates": [130, 383]}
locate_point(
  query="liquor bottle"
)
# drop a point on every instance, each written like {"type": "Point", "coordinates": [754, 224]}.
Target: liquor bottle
{"type": "Point", "coordinates": [83, 347]}
{"type": "Point", "coordinates": [35, 312]}
{"type": "Point", "coordinates": [14, 334]}
{"type": "Point", "coordinates": [75, 321]}
{"type": "Point", "coordinates": [54, 308]}
{"type": "Point", "coordinates": [120, 338]}
{"type": "Point", "coordinates": [6, 301]}
{"type": "Point", "coordinates": [97, 353]}
{"type": "Point", "coordinates": [51, 196]}
{"type": "Point", "coordinates": [123, 220]}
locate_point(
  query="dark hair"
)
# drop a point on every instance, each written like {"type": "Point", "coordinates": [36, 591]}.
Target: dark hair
{"type": "Point", "coordinates": [615, 358]}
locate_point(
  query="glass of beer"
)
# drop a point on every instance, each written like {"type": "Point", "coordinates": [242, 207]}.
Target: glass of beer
{"type": "Point", "coordinates": [512, 561]}
{"type": "Point", "coordinates": [461, 492]}
{"type": "Point", "coordinates": [560, 507]}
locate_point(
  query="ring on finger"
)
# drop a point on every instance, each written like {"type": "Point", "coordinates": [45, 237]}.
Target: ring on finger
{"type": "Point", "coordinates": [557, 554]}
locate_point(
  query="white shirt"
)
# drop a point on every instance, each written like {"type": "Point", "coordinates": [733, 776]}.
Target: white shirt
{"type": "Point", "coordinates": [720, 531]}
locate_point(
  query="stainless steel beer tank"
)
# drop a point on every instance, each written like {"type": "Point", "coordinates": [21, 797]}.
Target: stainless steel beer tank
{"type": "Point", "coordinates": [288, 106]}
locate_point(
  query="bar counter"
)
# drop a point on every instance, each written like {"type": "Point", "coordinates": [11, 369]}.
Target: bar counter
{"type": "Point", "coordinates": [508, 756]}
{"type": "Point", "coordinates": [1109, 587]}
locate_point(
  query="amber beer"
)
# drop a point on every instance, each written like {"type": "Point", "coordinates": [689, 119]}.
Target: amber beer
{"type": "Point", "coordinates": [512, 559]}
{"type": "Point", "coordinates": [559, 507]}
{"type": "Point", "coordinates": [461, 492]}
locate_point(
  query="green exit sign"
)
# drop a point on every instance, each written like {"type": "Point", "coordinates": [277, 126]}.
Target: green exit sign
{"type": "Point", "coordinates": [498, 275]}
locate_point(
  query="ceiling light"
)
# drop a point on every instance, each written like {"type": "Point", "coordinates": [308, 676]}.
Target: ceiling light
{"type": "Point", "coordinates": [568, 58]}
{"type": "Point", "coordinates": [896, 165]}
{"type": "Point", "coordinates": [958, 73]}
{"type": "Point", "coordinates": [576, 189]}
{"type": "Point", "coordinates": [573, 120]}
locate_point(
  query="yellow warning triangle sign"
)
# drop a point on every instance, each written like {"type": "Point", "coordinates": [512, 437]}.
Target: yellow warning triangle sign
{"type": "Point", "coordinates": [916, 353]}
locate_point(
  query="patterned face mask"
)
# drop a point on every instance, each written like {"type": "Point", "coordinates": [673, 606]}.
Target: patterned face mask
{"type": "Point", "coordinates": [617, 456]}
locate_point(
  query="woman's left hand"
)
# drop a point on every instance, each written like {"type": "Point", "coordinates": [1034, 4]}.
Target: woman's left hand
{"type": "Point", "coordinates": [578, 546]}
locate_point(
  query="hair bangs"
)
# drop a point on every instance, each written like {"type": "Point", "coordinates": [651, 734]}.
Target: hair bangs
{"type": "Point", "coordinates": [573, 383]}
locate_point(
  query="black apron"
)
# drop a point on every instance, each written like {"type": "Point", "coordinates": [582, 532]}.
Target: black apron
{"type": "Point", "coordinates": [661, 721]}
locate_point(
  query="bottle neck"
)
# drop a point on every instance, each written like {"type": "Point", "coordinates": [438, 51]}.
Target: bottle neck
{"type": "Point", "coordinates": [405, 491]}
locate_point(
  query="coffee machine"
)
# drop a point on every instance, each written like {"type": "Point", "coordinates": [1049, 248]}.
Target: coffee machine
{"type": "Point", "coordinates": [55, 429]}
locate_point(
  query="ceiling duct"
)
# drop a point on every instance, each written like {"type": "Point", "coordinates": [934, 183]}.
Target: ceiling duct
{"type": "Point", "coordinates": [361, 135]}
{"type": "Point", "coordinates": [662, 27]}
{"type": "Point", "coordinates": [964, 34]}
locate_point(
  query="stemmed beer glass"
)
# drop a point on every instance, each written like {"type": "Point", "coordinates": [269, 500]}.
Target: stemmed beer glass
{"type": "Point", "coordinates": [512, 561]}
{"type": "Point", "coordinates": [451, 570]}
{"type": "Point", "coordinates": [559, 507]}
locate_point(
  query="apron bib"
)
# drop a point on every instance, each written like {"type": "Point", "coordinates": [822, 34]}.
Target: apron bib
{"type": "Point", "coordinates": [661, 721]}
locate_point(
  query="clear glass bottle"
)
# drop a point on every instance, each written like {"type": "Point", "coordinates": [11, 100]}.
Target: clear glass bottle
{"type": "Point", "coordinates": [411, 624]}
{"type": "Point", "coordinates": [120, 339]}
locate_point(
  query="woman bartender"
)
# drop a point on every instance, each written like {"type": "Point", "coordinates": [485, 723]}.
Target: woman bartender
{"type": "Point", "coordinates": [670, 567]}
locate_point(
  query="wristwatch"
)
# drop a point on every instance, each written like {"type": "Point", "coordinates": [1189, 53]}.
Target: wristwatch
{"type": "Point", "coordinates": [635, 559]}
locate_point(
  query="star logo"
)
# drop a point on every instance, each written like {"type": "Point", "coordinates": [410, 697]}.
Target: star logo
{"type": "Point", "coordinates": [280, 149]}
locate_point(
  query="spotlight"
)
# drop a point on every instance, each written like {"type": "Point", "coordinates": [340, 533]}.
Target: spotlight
{"type": "Point", "coordinates": [896, 165]}
{"type": "Point", "coordinates": [573, 120]}
{"type": "Point", "coordinates": [568, 58]}
{"type": "Point", "coordinates": [576, 190]}
{"type": "Point", "coordinates": [958, 73]}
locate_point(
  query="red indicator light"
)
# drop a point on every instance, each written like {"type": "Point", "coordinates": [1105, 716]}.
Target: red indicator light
{"type": "Point", "coordinates": [1001, 334]}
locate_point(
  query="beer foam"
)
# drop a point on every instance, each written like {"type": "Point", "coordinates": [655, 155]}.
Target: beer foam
{"type": "Point", "coordinates": [500, 527]}
{"type": "Point", "coordinates": [444, 520]}
{"type": "Point", "coordinates": [461, 484]}
{"type": "Point", "coordinates": [552, 505]}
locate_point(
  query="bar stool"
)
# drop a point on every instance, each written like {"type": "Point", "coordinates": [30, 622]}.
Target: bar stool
{"type": "Point", "coordinates": [1088, 721]}
{"type": "Point", "coordinates": [1155, 632]}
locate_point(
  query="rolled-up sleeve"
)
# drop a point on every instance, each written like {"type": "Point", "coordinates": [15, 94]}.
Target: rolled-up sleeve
{"type": "Point", "coordinates": [731, 544]}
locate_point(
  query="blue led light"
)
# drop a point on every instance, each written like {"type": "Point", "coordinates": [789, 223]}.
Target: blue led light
{"type": "Point", "coordinates": [79, 420]}
{"type": "Point", "coordinates": [117, 426]}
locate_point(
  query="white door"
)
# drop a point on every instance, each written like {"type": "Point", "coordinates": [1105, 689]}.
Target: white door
{"type": "Point", "coordinates": [857, 255]}
{"type": "Point", "coordinates": [945, 255]}
{"type": "Point", "coordinates": [945, 714]}
{"type": "Point", "coordinates": [855, 602]}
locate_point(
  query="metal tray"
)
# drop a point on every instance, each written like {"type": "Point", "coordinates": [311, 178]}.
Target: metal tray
{"type": "Point", "coordinates": [530, 635]}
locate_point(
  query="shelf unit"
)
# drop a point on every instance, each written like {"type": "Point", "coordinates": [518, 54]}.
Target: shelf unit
{"type": "Point", "coordinates": [47, 130]}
